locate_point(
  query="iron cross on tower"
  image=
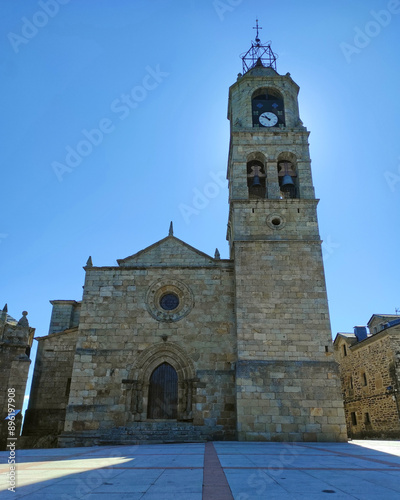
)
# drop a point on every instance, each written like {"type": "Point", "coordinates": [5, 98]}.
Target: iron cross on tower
{"type": "Point", "coordinates": [257, 28]}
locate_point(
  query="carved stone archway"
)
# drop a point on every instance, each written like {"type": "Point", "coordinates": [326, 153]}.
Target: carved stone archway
{"type": "Point", "coordinates": [141, 371]}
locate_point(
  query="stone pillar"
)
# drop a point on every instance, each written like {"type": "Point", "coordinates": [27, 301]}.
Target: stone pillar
{"type": "Point", "coordinates": [273, 191]}
{"type": "Point", "coordinates": [306, 189]}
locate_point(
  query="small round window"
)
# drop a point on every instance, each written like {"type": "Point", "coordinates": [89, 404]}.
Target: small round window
{"type": "Point", "coordinates": [276, 221]}
{"type": "Point", "coordinates": [169, 301]}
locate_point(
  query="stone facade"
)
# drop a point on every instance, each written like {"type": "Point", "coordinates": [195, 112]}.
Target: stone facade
{"type": "Point", "coordinates": [287, 379]}
{"type": "Point", "coordinates": [370, 376]}
{"type": "Point", "coordinates": [16, 339]}
{"type": "Point", "coordinates": [175, 345]}
{"type": "Point", "coordinates": [51, 384]}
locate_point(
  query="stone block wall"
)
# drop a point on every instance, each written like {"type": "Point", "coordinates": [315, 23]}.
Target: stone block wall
{"type": "Point", "coordinates": [367, 371]}
{"type": "Point", "coordinates": [289, 401]}
{"type": "Point", "coordinates": [296, 221]}
{"type": "Point", "coordinates": [65, 314]}
{"type": "Point", "coordinates": [51, 384]}
{"type": "Point", "coordinates": [282, 320]}
{"type": "Point", "coordinates": [282, 311]}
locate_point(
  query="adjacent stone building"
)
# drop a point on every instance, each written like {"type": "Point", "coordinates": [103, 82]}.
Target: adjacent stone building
{"type": "Point", "coordinates": [51, 383]}
{"type": "Point", "coordinates": [175, 345]}
{"type": "Point", "coordinates": [16, 339]}
{"type": "Point", "coordinates": [370, 376]}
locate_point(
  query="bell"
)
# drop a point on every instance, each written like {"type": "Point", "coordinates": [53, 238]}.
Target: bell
{"type": "Point", "coordinates": [287, 181]}
{"type": "Point", "coordinates": [288, 185]}
{"type": "Point", "coordinates": [256, 181]}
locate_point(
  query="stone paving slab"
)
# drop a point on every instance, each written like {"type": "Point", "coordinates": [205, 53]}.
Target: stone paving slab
{"type": "Point", "coordinates": [246, 471]}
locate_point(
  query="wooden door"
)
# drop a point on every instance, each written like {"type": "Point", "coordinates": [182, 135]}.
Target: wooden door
{"type": "Point", "coordinates": [163, 393]}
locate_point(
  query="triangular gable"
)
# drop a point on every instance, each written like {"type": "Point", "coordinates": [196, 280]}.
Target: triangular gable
{"type": "Point", "coordinates": [349, 338]}
{"type": "Point", "coordinates": [381, 318]}
{"type": "Point", "coordinates": [169, 251]}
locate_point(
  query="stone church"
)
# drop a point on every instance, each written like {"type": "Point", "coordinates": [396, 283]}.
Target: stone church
{"type": "Point", "coordinates": [173, 344]}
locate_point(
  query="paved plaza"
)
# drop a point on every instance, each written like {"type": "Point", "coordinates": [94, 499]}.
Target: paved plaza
{"type": "Point", "coordinates": [212, 471]}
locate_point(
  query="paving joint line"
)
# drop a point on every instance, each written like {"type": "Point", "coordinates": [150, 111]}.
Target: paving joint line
{"type": "Point", "coordinates": [215, 483]}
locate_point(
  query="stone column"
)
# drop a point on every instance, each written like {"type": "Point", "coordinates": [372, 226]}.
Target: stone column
{"type": "Point", "coordinates": [306, 189]}
{"type": "Point", "coordinates": [271, 170]}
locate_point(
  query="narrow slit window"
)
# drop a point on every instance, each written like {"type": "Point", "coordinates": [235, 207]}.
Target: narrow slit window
{"type": "Point", "coordinates": [364, 379]}
{"type": "Point", "coordinates": [68, 387]}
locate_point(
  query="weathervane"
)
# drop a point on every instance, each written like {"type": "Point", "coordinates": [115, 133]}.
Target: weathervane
{"type": "Point", "coordinates": [258, 54]}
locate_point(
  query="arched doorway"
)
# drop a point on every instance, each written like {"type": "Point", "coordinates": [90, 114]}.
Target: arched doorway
{"type": "Point", "coordinates": [163, 393]}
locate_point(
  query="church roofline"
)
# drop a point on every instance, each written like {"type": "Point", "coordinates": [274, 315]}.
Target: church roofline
{"type": "Point", "coordinates": [65, 301]}
{"type": "Point", "coordinates": [216, 262]}
{"type": "Point", "coordinates": [193, 249]}
{"type": "Point", "coordinates": [57, 334]}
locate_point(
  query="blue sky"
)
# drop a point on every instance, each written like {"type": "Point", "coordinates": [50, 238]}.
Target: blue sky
{"type": "Point", "coordinates": [65, 76]}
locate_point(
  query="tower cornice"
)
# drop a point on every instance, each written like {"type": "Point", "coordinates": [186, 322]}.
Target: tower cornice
{"type": "Point", "coordinates": [266, 75]}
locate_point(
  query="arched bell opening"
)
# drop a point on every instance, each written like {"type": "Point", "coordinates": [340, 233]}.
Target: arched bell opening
{"type": "Point", "coordinates": [287, 176]}
{"type": "Point", "coordinates": [163, 393]}
{"type": "Point", "coordinates": [256, 179]}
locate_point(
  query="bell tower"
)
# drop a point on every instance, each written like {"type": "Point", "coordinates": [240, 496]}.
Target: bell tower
{"type": "Point", "coordinates": [287, 380]}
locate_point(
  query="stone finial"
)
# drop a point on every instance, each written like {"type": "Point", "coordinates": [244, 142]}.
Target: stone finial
{"type": "Point", "coordinates": [3, 315]}
{"type": "Point", "coordinates": [24, 320]}
{"type": "Point", "coordinates": [171, 229]}
{"type": "Point", "coordinates": [217, 255]}
{"type": "Point", "coordinates": [89, 262]}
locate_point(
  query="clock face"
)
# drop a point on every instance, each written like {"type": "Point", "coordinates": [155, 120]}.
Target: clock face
{"type": "Point", "coordinates": [268, 119]}
{"type": "Point", "coordinates": [269, 105]}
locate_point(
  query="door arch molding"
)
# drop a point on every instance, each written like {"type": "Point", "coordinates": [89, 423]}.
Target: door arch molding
{"type": "Point", "coordinates": [143, 368]}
